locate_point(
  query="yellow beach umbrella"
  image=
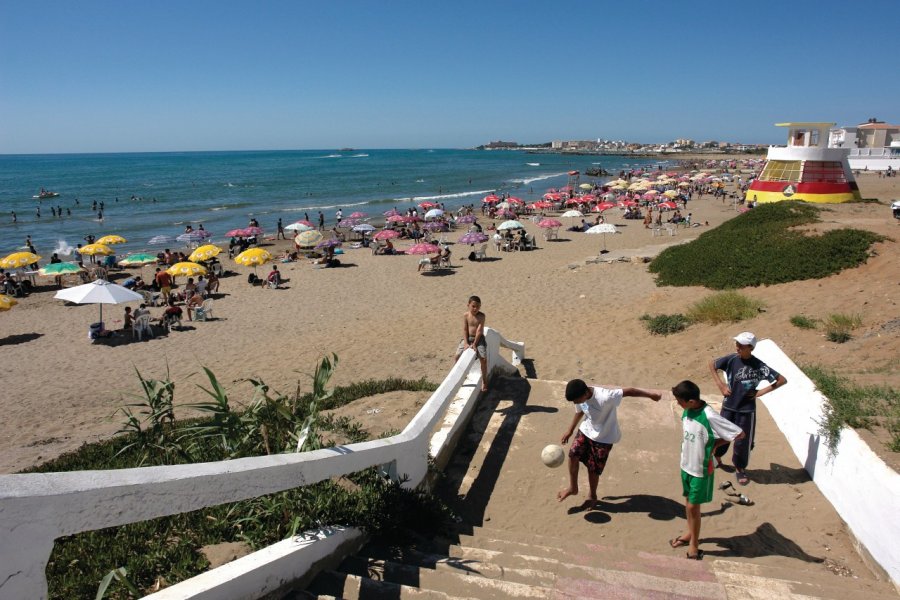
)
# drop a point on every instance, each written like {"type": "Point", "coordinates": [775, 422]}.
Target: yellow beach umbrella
{"type": "Point", "coordinates": [7, 302]}
{"type": "Point", "coordinates": [19, 259]}
{"type": "Point", "coordinates": [204, 253]}
{"type": "Point", "coordinates": [112, 239]}
{"type": "Point", "coordinates": [307, 239]}
{"type": "Point", "coordinates": [186, 269]}
{"type": "Point", "coordinates": [670, 193]}
{"type": "Point", "coordinates": [255, 256]}
{"type": "Point", "coordinates": [96, 248]}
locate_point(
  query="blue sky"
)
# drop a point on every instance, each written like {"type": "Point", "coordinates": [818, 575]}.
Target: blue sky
{"type": "Point", "coordinates": [119, 76]}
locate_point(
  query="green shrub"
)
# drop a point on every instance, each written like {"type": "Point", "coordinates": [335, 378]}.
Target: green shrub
{"type": "Point", "coordinates": [803, 322]}
{"type": "Point", "coordinates": [665, 324]}
{"type": "Point", "coordinates": [724, 307]}
{"type": "Point", "coordinates": [761, 247]}
{"type": "Point", "coordinates": [839, 326]}
{"type": "Point", "coordinates": [860, 407]}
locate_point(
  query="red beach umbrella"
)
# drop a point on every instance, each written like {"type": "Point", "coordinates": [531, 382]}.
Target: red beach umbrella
{"type": "Point", "coordinates": [491, 199]}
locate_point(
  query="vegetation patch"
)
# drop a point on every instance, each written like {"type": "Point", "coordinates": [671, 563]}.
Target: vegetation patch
{"type": "Point", "coordinates": [762, 247]}
{"type": "Point", "coordinates": [724, 307]}
{"type": "Point", "coordinates": [151, 554]}
{"type": "Point", "coordinates": [860, 407]}
{"type": "Point", "coordinates": [665, 324]}
{"type": "Point", "coordinates": [838, 327]}
{"type": "Point", "coordinates": [804, 322]}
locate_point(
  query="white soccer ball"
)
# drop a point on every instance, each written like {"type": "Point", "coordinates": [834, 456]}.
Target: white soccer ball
{"type": "Point", "coordinates": [553, 455]}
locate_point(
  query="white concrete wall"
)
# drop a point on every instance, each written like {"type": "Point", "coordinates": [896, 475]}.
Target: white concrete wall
{"type": "Point", "coordinates": [35, 509]}
{"type": "Point", "coordinates": [860, 486]}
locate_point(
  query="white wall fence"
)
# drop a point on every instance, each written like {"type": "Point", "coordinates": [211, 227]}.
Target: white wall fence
{"type": "Point", "coordinates": [35, 509]}
{"type": "Point", "coordinates": [860, 486]}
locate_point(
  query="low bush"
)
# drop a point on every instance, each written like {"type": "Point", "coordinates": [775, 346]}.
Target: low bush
{"type": "Point", "coordinates": [804, 322]}
{"type": "Point", "coordinates": [860, 407]}
{"type": "Point", "coordinates": [724, 307]}
{"type": "Point", "coordinates": [763, 247]}
{"type": "Point", "coordinates": [665, 324]}
{"type": "Point", "coordinates": [838, 327]}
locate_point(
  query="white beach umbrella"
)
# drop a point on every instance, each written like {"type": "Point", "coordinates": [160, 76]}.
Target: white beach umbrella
{"type": "Point", "coordinates": [298, 227]}
{"type": "Point", "coordinates": [363, 227]}
{"type": "Point", "coordinates": [603, 228]}
{"type": "Point", "coordinates": [573, 213]}
{"type": "Point", "coordinates": [98, 292]}
{"type": "Point", "coordinates": [434, 213]}
{"type": "Point", "coordinates": [511, 224]}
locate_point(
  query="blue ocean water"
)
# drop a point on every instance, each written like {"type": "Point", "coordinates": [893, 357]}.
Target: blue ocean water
{"type": "Point", "coordinates": [149, 194]}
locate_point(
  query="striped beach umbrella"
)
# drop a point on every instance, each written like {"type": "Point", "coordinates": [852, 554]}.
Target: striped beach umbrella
{"type": "Point", "coordinates": [308, 239]}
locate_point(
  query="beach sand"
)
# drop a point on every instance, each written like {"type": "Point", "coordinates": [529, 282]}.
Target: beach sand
{"type": "Point", "coordinates": [382, 318]}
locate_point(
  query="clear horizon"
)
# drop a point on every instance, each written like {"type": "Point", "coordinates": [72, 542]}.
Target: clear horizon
{"type": "Point", "coordinates": [113, 77]}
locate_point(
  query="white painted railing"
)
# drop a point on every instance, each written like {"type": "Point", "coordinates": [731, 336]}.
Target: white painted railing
{"type": "Point", "coordinates": [35, 509]}
{"type": "Point", "coordinates": [864, 491]}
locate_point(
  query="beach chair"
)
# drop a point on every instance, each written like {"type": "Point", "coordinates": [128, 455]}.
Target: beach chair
{"type": "Point", "coordinates": [150, 298]}
{"type": "Point", "coordinates": [672, 228]}
{"type": "Point", "coordinates": [481, 253]}
{"type": "Point", "coordinates": [204, 311]}
{"type": "Point", "coordinates": [141, 326]}
{"type": "Point", "coordinates": [171, 322]}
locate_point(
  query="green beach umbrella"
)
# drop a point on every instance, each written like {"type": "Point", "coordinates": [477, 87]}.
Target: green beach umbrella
{"type": "Point", "coordinates": [62, 268]}
{"type": "Point", "coordinates": [139, 259]}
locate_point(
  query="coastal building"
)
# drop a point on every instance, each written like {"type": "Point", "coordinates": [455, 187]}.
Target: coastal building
{"type": "Point", "coordinates": [807, 169]}
{"type": "Point", "coordinates": [873, 145]}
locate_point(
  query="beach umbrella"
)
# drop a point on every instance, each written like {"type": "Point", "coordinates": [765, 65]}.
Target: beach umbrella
{"type": "Point", "coordinates": [193, 237]}
{"type": "Point", "coordinates": [423, 248]}
{"type": "Point", "coordinates": [98, 292]}
{"type": "Point", "coordinates": [19, 259]}
{"type": "Point", "coordinates": [348, 223]}
{"type": "Point", "coordinates": [329, 243]}
{"type": "Point", "coordinates": [601, 206]}
{"type": "Point", "coordinates": [572, 214]}
{"type": "Point", "coordinates": [549, 224]}
{"type": "Point", "coordinates": [252, 231]}
{"type": "Point", "coordinates": [386, 234]}
{"type": "Point", "coordinates": [511, 224]}
{"type": "Point", "coordinates": [502, 205]}
{"type": "Point", "coordinates": [159, 240]}
{"type": "Point", "coordinates": [670, 194]}
{"type": "Point", "coordinates": [467, 219]}
{"type": "Point", "coordinates": [512, 200]}
{"type": "Point", "coordinates": [491, 199]}
{"type": "Point", "coordinates": [111, 239]}
{"type": "Point", "coordinates": [61, 268]}
{"type": "Point", "coordinates": [298, 226]}
{"type": "Point", "coordinates": [667, 205]}
{"type": "Point", "coordinates": [363, 227]}
{"type": "Point", "coordinates": [141, 258]}
{"type": "Point", "coordinates": [7, 302]}
{"type": "Point", "coordinates": [307, 239]}
{"type": "Point", "coordinates": [434, 213]}
{"type": "Point", "coordinates": [586, 186]}
{"type": "Point", "coordinates": [235, 233]}
{"type": "Point", "coordinates": [433, 226]}
{"type": "Point", "coordinates": [426, 205]}
{"type": "Point", "coordinates": [391, 213]}
{"type": "Point", "coordinates": [473, 237]}
{"type": "Point", "coordinates": [94, 249]}
{"type": "Point", "coordinates": [255, 256]}
{"type": "Point", "coordinates": [358, 215]}
{"type": "Point", "coordinates": [507, 213]}
{"type": "Point", "coordinates": [204, 253]}
{"type": "Point", "coordinates": [186, 269]}
{"type": "Point", "coordinates": [396, 219]}
{"type": "Point", "coordinates": [541, 204]}
{"type": "Point", "coordinates": [602, 228]}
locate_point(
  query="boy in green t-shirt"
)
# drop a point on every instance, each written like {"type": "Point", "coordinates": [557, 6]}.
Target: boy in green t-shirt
{"type": "Point", "coordinates": [703, 429]}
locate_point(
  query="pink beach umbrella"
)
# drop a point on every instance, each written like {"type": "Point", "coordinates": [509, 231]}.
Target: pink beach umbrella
{"type": "Point", "coordinates": [348, 223]}
{"type": "Point", "coordinates": [473, 237]}
{"type": "Point", "coordinates": [252, 231]}
{"type": "Point", "coordinates": [507, 213]}
{"type": "Point", "coordinates": [433, 226]}
{"type": "Point", "coordinates": [427, 205]}
{"type": "Point", "coordinates": [467, 219]}
{"type": "Point", "coordinates": [603, 206]}
{"type": "Point", "coordinates": [396, 219]}
{"type": "Point", "coordinates": [513, 200]}
{"type": "Point", "coordinates": [359, 215]}
{"type": "Point", "coordinates": [386, 234]}
{"type": "Point", "coordinates": [235, 233]}
{"type": "Point", "coordinates": [492, 199]}
{"type": "Point", "coordinates": [423, 248]}
{"type": "Point", "coordinates": [549, 224]}
{"type": "Point", "coordinates": [668, 204]}
{"type": "Point", "coordinates": [391, 213]}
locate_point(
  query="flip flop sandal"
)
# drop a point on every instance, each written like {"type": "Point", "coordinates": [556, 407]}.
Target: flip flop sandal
{"type": "Point", "coordinates": [742, 479]}
{"type": "Point", "coordinates": [678, 542]}
{"type": "Point", "coordinates": [698, 556]}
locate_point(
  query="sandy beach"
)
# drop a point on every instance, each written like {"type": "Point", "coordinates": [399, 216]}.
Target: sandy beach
{"type": "Point", "coordinates": [383, 318]}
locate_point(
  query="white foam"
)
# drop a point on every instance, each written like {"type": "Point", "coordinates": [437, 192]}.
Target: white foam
{"type": "Point", "coordinates": [359, 156]}
{"type": "Point", "coordinates": [530, 180]}
{"type": "Point", "coordinates": [442, 196]}
{"type": "Point", "coordinates": [62, 247]}
{"type": "Point", "coordinates": [539, 164]}
{"type": "Point", "coordinates": [329, 156]}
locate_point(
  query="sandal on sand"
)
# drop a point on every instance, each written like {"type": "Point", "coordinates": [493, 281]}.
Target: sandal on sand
{"type": "Point", "coordinates": [678, 542]}
{"type": "Point", "coordinates": [742, 478]}
{"type": "Point", "coordinates": [698, 556]}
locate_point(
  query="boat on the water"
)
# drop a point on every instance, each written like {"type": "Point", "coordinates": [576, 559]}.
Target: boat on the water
{"type": "Point", "coordinates": [44, 194]}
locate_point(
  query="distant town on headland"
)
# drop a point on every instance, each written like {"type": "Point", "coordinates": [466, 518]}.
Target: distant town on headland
{"type": "Point", "coordinates": [601, 146]}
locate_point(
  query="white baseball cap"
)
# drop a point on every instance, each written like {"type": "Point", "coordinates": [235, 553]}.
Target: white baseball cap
{"type": "Point", "coordinates": [746, 339]}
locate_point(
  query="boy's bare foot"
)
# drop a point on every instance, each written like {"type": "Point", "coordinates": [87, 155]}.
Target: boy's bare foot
{"type": "Point", "coordinates": [565, 493]}
{"type": "Point", "coordinates": [590, 502]}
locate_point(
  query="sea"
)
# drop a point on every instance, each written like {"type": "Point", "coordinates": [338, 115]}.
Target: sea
{"type": "Point", "coordinates": [144, 195]}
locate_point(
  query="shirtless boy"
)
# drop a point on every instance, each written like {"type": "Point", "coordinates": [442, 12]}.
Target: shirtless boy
{"type": "Point", "coordinates": [473, 336]}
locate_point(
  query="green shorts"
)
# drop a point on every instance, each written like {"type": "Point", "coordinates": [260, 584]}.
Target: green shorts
{"type": "Point", "coordinates": [697, 490]}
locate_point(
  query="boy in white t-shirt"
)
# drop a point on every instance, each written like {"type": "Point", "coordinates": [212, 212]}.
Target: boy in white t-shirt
{"type": "Point", "coordinates": [598, 432]}
{"type": "Point", "coordinates": [703, 430]}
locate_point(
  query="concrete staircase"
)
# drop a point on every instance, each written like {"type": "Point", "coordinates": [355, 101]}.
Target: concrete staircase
{"type": "Point", "coordinates": [493, 564]}
{"type": "Point", "coordinates": [514, 540]}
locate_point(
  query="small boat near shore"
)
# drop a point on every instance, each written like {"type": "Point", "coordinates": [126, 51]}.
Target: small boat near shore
{"type": "Point", "coordinates": [45, 194]}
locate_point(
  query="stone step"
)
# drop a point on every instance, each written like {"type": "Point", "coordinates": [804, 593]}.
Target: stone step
{"type": "Point", "coordinates": [417, 565]}
{"type": "Point", "coordinates": [333, 584]}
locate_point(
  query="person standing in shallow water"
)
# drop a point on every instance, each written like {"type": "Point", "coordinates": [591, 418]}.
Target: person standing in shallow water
{"type": "Point", "coordinates": [743, 373]}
